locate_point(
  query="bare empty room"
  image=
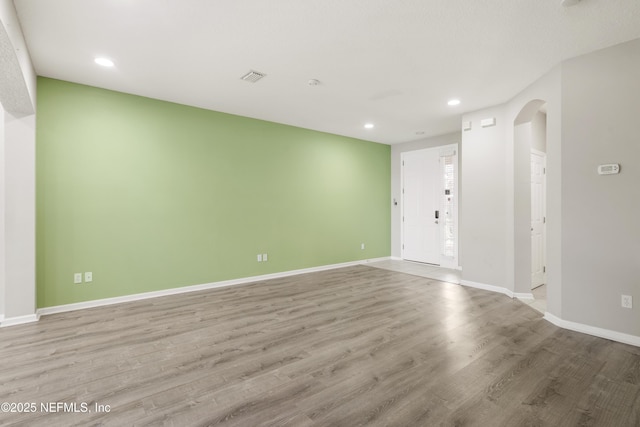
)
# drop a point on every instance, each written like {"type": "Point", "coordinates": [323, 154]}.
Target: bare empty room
{"type": "Point", "coordinates": [337, 213]}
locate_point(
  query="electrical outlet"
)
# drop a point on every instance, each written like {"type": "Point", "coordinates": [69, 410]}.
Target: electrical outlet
{"type": "Point", "coordinates": [259, 257]}
{"type": "Point", "coordinates": [77, 278]}
{"type": "Point", "coordinates": [627, 301]}
{"type": "Point", "coordinates": [362, 246]}
{"type": "Point", "coordinates": [88, 277]}
{"type": "Point", "coordinates": [264, 257]}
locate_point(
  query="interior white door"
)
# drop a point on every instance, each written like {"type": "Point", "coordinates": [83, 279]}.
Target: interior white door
{"type": "Point", "coordinates": [538, 219]}
{"type": "Point", "coordinates": [421, 184]}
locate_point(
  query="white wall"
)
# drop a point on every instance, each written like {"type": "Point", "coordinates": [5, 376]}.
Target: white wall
{"type": "Point", "coordinates": [601, 214]}
{"type": "Point", "coordinates": [539, 132]}
{"type": "Point", "coordinates": [17, 174]}
{"type": "Point", "coordinates": [396, 180]}
{"type": "Point", "coordinates": [483, 212]}
{"type": "Point", "coordinates": [2, 216]}
{"type": "Point", "coordinates": [496, 211]}
{"type": "Point", "coordinates": [593, 232]}
{"type": "Point", "coordinates": [522, 143]}
{"type": "Point", "coordinates": [19, 215]}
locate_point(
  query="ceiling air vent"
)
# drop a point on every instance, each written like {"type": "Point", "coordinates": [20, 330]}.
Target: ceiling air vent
{"type": "Point", "coordinates": [252, 76]}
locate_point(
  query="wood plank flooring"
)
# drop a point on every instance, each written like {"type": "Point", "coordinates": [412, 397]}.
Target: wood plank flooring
{"type": "Point", "coordinates": [347, 347]}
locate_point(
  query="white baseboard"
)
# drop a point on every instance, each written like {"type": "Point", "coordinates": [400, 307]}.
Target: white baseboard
{"type": "Point", "coordinates": [366, 261]}
{"type": "Point", "coordinates": [174, 291]}
{"type": "Point", "coordinates": [565, 324]}
{"type": "Point", "coordinates": [18, 320]}
{"type": "Point", "coordinates": [486, 287]}
{"type": "Point", "coordinates": [523, 295]}
{"type": "Point", "coordinates": [593, 330]}
{"type": "Point", "coordinates": [501, 290]}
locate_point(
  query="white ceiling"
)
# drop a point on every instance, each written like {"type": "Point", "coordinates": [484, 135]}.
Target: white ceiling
{"type": "Point", "coordinates": [391, 62]}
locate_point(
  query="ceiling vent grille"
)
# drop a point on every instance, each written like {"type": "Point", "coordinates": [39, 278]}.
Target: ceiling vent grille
{"type": "Point", "coordinates": [252, 76]}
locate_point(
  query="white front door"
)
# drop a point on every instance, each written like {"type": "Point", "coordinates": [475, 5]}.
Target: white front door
{"type": "Point", "coordinates": [538, 219]}
{"type": "Point", "coordinates": [421, 191]}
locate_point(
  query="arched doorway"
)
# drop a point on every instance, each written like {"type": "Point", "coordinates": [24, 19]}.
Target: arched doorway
{"type": "Point", "coordinates": [530, 201]}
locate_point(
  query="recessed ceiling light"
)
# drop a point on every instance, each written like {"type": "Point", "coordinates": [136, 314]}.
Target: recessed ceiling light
{"type": "Point", "coordinates": [105, 62]}
{"type": "Point", "coordinates": [368, 126]}
{"type": "Point", "coordinates": [420, 132]}
{"type": "Point", "coordinates": [453, 102]}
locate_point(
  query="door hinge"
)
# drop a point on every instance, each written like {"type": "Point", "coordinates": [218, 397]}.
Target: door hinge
{"type": "Point", "coordinates": [544, 171]}
{"type": "Point", "coordinates": [402, 246]}
{"type": "Point", "coordinates": [544, 269]}
{"type": "Point", "coordinates": [403, 163]}
{"type": "Point", "coordinates": [402, 219]}
{"type": "Point", "coordinates": [544, 219]}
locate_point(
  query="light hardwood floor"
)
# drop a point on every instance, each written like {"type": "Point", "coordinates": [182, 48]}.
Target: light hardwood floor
{"type": "Point", "coordinates": [347, 347]}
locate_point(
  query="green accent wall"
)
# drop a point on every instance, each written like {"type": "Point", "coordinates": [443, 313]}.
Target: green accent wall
{"type": "Point", "coordinates": [151, 195]}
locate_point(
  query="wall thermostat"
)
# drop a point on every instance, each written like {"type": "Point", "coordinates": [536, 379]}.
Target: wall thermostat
{"type": "Point", "coordinates": [609, 169]}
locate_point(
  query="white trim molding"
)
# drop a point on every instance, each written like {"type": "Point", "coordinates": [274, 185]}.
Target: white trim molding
{"type": "Point", "coordinates": [498, 289]}
{"type": "Point", "coordinates": [175, 291]}
{"type": "Point", "coordinates": [593, 330]}
{"type": "Point", "coordinates": [564, 324]}
{"type": "Point", "coordinates": [486, 287]}
{"type": "Point", "coordinates": [19, 320]}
